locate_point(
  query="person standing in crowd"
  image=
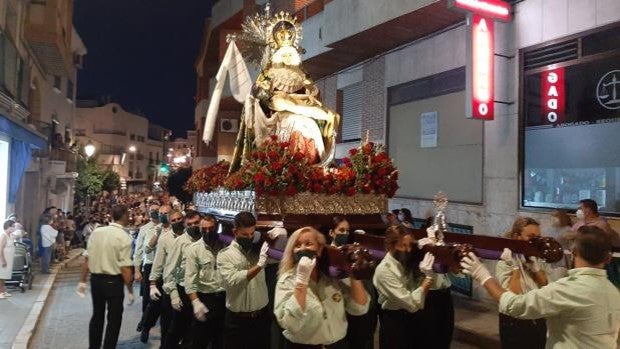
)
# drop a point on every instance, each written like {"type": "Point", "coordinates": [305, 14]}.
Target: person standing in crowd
{"type": "Point", "coordinates": [309, 304]}
{"type": "Point", "coordinates": [339, 235]}
{"type": "Point", "coordinates": [246, 323]}
{"type": "Point", "coordinates": [174, 283]}
{"type": "Point", "coordinates": [7, 251]}
{"type": "Point", "coordinates": [587, 214]}
{"type": "Point", "coordinates": [172, 227]}
{"type": "Point", "coordinates": [48, 238]}
{"type": "Point", "coordinates": [110, 265]}
{"type": "Point", "coordinates": [143, 261]}
{"type": "Point", "coordinates": [519, 277]}
{"type": "Point", "coordinates": [402, 289]}
{"type": "Point", "coordinates": [405, 218]}
{"type": "Point", "coordinates": [581, 310]}
{"type": "Point", "coordinates": [88, 229]}
{"type": "Point", "coordinates": [203, 287]}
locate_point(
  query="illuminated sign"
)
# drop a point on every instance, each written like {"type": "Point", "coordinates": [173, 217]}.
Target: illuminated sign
{"type": "Point", "coordinates": [495, 9]}
{"type": "Point", "coordinates": [481, 103]}
{"type": "Point", "coordinates": [552, 96]}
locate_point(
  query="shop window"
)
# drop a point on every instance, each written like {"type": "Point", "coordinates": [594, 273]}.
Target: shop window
{"type": "Point", "coordinates": [570, 126]}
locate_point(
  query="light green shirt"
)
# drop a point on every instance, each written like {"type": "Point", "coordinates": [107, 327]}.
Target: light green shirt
{"type": "Point", "coordinates": [241, 295]}
{"type": "Point", "coordinates": [139, 256]}
{"type": "Point", "coordinates": [503, 272]}
{"type": "Point", "coordinates": [324, 320]}
{"type": "Point", "coordinates": [164, 247]}
{"type": "Point", "coordinates": [581, 310]}
{"type": "Point", "coordinates": [397, 288]}
{"type": "Point", "coordinates": [175, 274]}
{"type": "Point", "coordinates": [109, 249]}
{"type": "Point", "coordinates": [200, 269]}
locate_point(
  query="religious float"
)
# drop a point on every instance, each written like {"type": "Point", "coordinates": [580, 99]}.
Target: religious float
{"type": "Point", "coordinates": [284, 169]}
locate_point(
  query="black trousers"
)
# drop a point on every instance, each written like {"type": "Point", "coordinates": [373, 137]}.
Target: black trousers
{"type": "Point", "coordinates": [438, 314]}
{"type": "Point", "coordinates": [520, 334]}
{"type": "Point", "coordinates": [106, 291]}
{"type": "Point", "coordinates": [400, 329]}
{"type": "Point", "coordinates": [211, 330]}
{"type": "Point", "coordinates": [342, 344]}
{"type": "Point", "coordinates": [242, 332]}
{"type": "Point", "coordinates": [180, 327]}
{"type": "Point", "coordinates": [158, 309]}
{"type": "Point", "coordinates": [145, 286]}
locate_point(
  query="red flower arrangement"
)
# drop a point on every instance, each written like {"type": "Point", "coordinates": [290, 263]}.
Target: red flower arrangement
{"type": "Point", "coordinates": [208, 178]}
{"type": "Point", "coordinates": [375, 171]}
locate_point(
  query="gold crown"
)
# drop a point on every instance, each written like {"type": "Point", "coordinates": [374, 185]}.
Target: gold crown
{"type": "Point", "coordinates": [283, 23]}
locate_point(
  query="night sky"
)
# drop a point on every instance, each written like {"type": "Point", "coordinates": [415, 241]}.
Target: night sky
{"type": "Point", "coordinates": [141, 53]}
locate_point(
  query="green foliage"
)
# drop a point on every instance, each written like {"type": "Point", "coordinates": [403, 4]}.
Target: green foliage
{"type": "Point", "coordinates": [90, 179]}
{"type": "Point", "coordinates": [111, 181]}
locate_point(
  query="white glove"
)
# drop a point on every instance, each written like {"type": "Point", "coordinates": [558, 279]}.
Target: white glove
{"type": "Point", "coordinates": [262, 258]}
{"type": "Point", "coordinates": [425, 241]}
{"type": "Point", "coordinates": [431, 232]}
{"type": "Point", "coordinates": [472, 266]}
{"type": "Point", "coordinates": [130, 298]}
{"type": "Point", "coordinates": [154, 293]}
{"type": "Point", "coordinates": [426, 265]}
{"type": "Point", "coordinates": [534, 264]}
{"type": "Point", "coordinates": [304, 270]}
{"type": "Point", "coordinates": [81, 289]}
{"type": "Point", "coordinates": [508, 259]}
{"type": "Point", "coordinates": [276, 233]}
{"type": "Point", "coordinates": [176, 301]}
{"type": "Point", "coordinates": [200, 310]}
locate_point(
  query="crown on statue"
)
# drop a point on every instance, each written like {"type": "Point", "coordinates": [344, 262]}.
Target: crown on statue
{"type": "Point", "coordinates": [285, 31]}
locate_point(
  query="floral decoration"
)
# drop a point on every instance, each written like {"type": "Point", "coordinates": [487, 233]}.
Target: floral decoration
{"type": "Point", "coordinates": [208, 178]}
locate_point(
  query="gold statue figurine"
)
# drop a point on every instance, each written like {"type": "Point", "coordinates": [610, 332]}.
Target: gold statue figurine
{"type": "Point", "coordinates": [284, 100]}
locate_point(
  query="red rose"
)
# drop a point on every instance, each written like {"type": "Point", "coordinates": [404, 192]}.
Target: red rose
{"type": "Point", "coordinates": [291, 190]}
{"type": "Point", "coordinates": [274, 137]}
{"type": "Point", "coordinates": [259, 177]}
{"type": "Point", "coordinates": [272, 154]}
{"type": "Point", "coordinates": [346, 162]}
{"type": "Point", "coordinates": [382, 171]}
{"type": "Point", "coordinates": [351, 191]}
{"type": "Point", "coordinates": [353, 151]}
{"type": "Point", "coordinates": [367, 176]}
{"type": "Point", "coordinates": [316, 188]}
{"type": "Point", "coordinates": [276, 166]}
{"type": "Point", "coordinates": [298, 156]}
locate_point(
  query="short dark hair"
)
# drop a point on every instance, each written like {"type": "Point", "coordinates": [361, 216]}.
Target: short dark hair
{"type": "Point", "coordinates": [190, 214]}
{"type": "Point", "coordinates": [591, 204]}
{"type": "Point", "coordinates": [118, 211]}
{"type": "Point", "coordinates": [244, 220]}
{"type": "Point", "coordinates": [592, 244]}
{"type": "Point", "coordinates": [208, 217]}
{"type": "Point", "coordinates": [8, 224]}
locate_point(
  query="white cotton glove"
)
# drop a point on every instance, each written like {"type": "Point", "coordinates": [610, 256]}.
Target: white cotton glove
{"type": "Point", "coordinates": [176, 301]}
{"type": "Point", "coordinates": [276, 233]}
{"type": "Point", "coordinates": [472, 266]}
{"type": "Point", "coordinates": [534, 264]}
{"type": "Point", "coordinates": [154, 293]}
{"type": "Point", "coordinates": [262, 258]}
{"type": "Point", "coordinates": [425, 241]}
{"type": "Point", "coordinates": [426, 266]}
{"type": "Point", "coordinates": [200, 310]}
{"type": "Point", "coordinates": [508, 259]}
{"type": "Point", "coordinates": [304, 270]}
{"type": "Point", "coordinates": [131, 298]}
{"type": "Point", "coordinates": [81, 289]}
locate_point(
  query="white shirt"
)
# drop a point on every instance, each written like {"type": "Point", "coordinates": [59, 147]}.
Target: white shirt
{"type": "Point", "coordinates": [48, 235]}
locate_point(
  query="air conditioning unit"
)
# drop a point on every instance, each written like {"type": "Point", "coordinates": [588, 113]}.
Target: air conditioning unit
{"type": "Point", "coordinates": [229, 125]}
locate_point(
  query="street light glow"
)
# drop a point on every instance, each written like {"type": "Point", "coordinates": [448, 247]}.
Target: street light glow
{"type": "Point", "coordinates": [89, 149]}
{"type": "Point", "coordinates": [132, 148]}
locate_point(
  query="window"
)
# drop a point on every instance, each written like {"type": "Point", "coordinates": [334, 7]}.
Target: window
{"type": "Point", "coordinates": [130, 174]}
{"type": "Point", "coordinates": [132, 137]}
{"type": "Point", "coordinates": [351, 125]}
{"type": "Point", "coordinates": [570, 125]}
{"type": "Point", "coordinates": [69, 90]}
{"type": "Point", "coordinates": [57, 84]}
{"type": "Point", "coordinates": [10, 66]}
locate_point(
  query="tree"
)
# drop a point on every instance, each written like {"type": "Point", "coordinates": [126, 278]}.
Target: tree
{"type": "Point", "coordinates": [176, 182]}
{"type": "Point", "coordinates": [90, 179]}
{"type": "Point", "coordinates": [111, 181]}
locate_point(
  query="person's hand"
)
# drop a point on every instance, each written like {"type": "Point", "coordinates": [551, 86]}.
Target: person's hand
{"type": "Point", "coordinates": [276, 233]}
{"type": "Point", "coordinates": [425, 241]}
{"type": "Point", "coordinates": [472, 266]}
{"type": "Point", "coordinates": [533, 264]}
{"type": "Point", "coordinates": [81, 289]}
{"type": "Point", "coordinates": [200, 310]}
{"type": "Point", "coordinates": [426, 266]}
{"type": "Point", "coordinates": [176, 301]}
{"type": "Point", "coordinates": [130, 298]}
{"type": "Point", "coordinates": [262, 258]}
{"type": "Point", "coordinates": [304, 270]}
{"type": "Point", "coordinates": [154, 293]}
{"type": "Point", "coordinates": [158, 229]}
{"type": "Point", "coordinates": [137, 275]}
{"type": "Point", "coordinates": [508, 259]}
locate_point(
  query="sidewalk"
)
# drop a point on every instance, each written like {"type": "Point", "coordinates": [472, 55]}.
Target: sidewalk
{"type": "Point", "coordinates": [19, 314]}
{"type": "Point", "coordinates": [476, 322]}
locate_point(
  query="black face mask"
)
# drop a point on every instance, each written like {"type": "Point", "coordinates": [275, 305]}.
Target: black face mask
{"type": "Point", "coordinates": [194, 232]}
{"type": "Point", "coordinates": [209, 235]}
{"type": "Point", "coordinates": [304, 253]}
{"type": "Point", "coordinates": [177, 227]}
{"type": "Point", "coordinates": [404, 258]}
{"type": "Point", "coordinates": [245, 243]}
{"type": "Point", "coordinates": [341, 239]}
{"type": "Point", "coordinates": [163, 218]}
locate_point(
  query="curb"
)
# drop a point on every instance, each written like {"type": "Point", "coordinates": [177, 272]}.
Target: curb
{"type": "Point", "coordinates": [28, 328]}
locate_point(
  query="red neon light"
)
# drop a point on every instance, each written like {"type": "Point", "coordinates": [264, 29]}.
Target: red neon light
{"type": "Point", "coordinates": [495, 9]}
{"type": "Point", "coordinates": [552, 95]}
{"type": "Point", "coordinates": [482, 68]}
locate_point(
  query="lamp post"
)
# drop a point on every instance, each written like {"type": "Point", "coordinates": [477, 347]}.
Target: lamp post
{"type": "Point", "coordinates": [89, 150]}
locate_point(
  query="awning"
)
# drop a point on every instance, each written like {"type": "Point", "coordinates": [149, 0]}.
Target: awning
{"type": "Point", "coordinates": [20, 133]}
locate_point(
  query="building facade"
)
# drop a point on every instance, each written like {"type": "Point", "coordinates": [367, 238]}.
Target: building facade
{"type": "Point", "coordinates": [125, 142]}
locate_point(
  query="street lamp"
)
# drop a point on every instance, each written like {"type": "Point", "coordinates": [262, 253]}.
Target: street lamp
{"type": "Point", "coordinates": [89, 149]}
{"type": "Point", "coordinates": [132, 148]}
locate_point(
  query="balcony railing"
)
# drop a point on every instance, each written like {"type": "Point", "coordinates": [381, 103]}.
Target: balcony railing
{"type": "Point", "coordinates": [107, 131]}
{"type": "Point", "coordinates": [107, 149]}
{"type": "Point", "coordinates": [66, 155]}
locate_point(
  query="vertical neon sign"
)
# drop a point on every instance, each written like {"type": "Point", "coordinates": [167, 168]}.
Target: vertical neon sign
{"type": "Point", "coordinates": [482, 69]}
{"type": "Point", "coordinates": [553, 97]}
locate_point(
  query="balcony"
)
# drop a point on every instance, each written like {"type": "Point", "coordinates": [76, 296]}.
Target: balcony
{"type": "Point", "coordinates": [108, 131]}
{"type": "Point", "coordinates": [66, 155]}
{"type": "Point", "coordinates": [107, 149]}
{"type": "Point", "coordinates": [48, 32]}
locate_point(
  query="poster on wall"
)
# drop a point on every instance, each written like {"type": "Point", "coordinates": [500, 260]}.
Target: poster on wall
{"type": "Point", "coordinates": [428, 129]}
